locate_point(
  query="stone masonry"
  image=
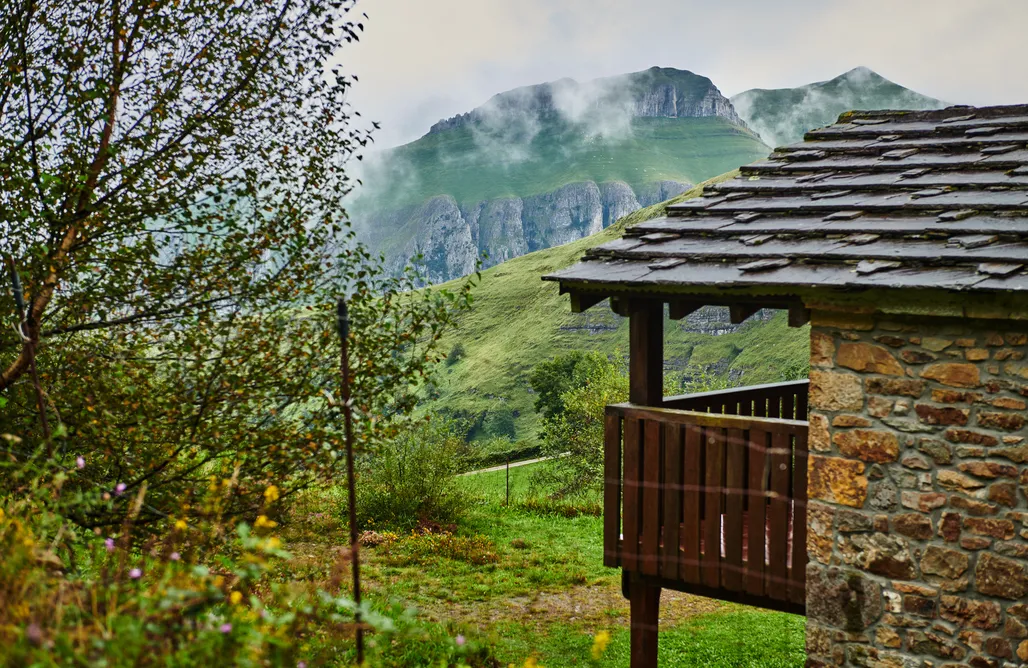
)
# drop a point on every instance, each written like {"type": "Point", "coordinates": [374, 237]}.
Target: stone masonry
{"type": "Point", "coordinates": [918, 475]}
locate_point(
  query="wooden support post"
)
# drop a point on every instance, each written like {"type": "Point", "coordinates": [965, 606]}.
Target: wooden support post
{"type": "Point", "coordinates": [644, 601]}
{"type": "Point", "coordinates": [646, 388]}
{"type": "Point", "coordinates": [646, 353]}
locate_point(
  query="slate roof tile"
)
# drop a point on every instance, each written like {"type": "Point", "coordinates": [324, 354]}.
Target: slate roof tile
{"type": "Point", "coordinates": [881, 199]}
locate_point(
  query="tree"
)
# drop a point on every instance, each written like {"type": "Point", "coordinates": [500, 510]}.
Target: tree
{"type": "Point", "coordinates": [553, 378]}
{"type": "Point", "coordinates": [173, 184]}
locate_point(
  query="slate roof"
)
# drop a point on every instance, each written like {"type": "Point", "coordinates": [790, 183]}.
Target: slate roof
{"type": "Point", "coordinates": [881, 199]}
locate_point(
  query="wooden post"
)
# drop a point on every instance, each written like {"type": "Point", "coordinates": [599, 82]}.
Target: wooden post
{"type": "Point", "coordinates": [644, 601]}
{"type": "Point", "coordinates": [646, 353]}
{"type": "Point", "coordinates": [646, 388]}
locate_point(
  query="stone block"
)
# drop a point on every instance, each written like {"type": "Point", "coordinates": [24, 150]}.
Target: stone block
{"type": "Point", "coordinates": [939, 452]}
{"type": "Point", "coordinates": [957, 482]}
{"type": "Point", "coordinates": [989, 469]}
{"type": "Point", "coordinates": [831, 391]}
{"type": "Point", "coordinates": [822, 348]}
{"type": "Point", "coordinates": [821, 535]}
{"type": "Point", "coordinates": [1004, 493]}
{"type": "Point", "coordinates": [836, 480]}
{"type": "Point", "coordinates": [949, 527]}
{"type": "Point", "coordinates": [935, 344]}
{"type": "Point", "coordinates": [924, 502]}
{"type": "Point", "coordinates": [947, 415]}
{"type": "Point", "coordinates": [851, 421]}
{"type": "Point", "coordinates": [913, 525]}
{"type": "Point", "coordinates": [953, 374]}
{"type": "Point", "coordinates": [917, 357]}
{"type": "Point", "coordinates": [868, 359]}
{"type": "Point", "coordinates": [985, 615]}
{"type": "Point", "coordinates": [955, 396]}
{"type": "Point", "coordinates": [972, 507]}
{"type": "Point", "coordinates": [1009, 403]}
{"type": "Point", "coordinates": [868, 445]}
{"type": "Point", "coordinates": [994, 528]}
{"type": "Point", "coordinates": [1004, 421]}
{"type": "Point", "coordinates": [880, 554]}
{"type": "Point", "coordinates": [843, 598]}
{"type": "Point", "coordinates": [895, 386]}
{"type": "Point", "coordinates": [1000, 577]}
{"type": "Point", "coordinates": [944, 562]}
{"type": "Point", "coordinates": [819, 439]}
{"type": "Point", "coordinates": [973, 437]}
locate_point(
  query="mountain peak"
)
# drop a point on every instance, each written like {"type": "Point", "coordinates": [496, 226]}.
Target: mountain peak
{"type": "Point", "coordinates": [655, 92]}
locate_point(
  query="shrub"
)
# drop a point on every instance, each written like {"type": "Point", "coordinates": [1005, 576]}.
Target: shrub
{"type": "Point", "coordinates": [456, 354]}
{"type": "Point", "coordinates": [413, 479]}
{"type": "Point", "coordinates": [476, 550]}
{"type": "Point", "coordinates": [196, 594]}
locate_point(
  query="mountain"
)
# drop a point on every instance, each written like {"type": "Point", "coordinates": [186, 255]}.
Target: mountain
{"type": "Point", "coordinates": [544, 165]}
{"type": "Point", "coordinates": [518, 321]}
{"type": "Point", "coordinates": [781, 116]}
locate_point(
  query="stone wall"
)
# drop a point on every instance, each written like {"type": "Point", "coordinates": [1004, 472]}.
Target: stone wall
{"type": "Point", "coordinates": [918, 520]}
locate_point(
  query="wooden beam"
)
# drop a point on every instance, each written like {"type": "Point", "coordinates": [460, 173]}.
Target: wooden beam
{"type": "Point", "coordinates": [646, 353]}
{"type": "Point", "coordinates": [620, 306]}
{"type": "Point", "coordinates": [799, 315]}
{"type": "Point", "coordinates": [680, 308]}
{"type": "Point", "coordinates": [583, 301]}
{"type": "Point", "coordinates": [737, 313]}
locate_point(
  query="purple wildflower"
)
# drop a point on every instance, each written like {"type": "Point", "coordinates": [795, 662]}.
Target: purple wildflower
{"type": "Point", "coordinates": [109, 544]}
{"type": "Point", "coordinates": [301, 664]}
{"type": "Point", "coordinates": [119, 489]}
{"type": "Point", "coordinates": [460, 641]}
{"type": "Point", "coordinates": [135, 574]}
{"type": "Point", "coordinates": [175, 556]}
{"type": "Point", "coordinates": [80, 462]}
{"type": "Point", "coordinates": [226, 628]}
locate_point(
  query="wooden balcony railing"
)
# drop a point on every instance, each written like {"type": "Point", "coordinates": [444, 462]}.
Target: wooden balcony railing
{"type": "Point", "coordinates": [712, 500]}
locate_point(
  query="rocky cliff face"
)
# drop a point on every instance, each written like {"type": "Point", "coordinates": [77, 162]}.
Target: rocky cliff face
{"type": "Point", "coordinates": [451, 238]}
{"type": "Point", "coordinates": [656, 92]}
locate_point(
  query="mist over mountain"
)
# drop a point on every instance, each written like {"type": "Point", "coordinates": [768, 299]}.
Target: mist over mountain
{"type": "Point", "coordinates": [544, 165]}
{"type": "Point", "coordinates": [781, 116]}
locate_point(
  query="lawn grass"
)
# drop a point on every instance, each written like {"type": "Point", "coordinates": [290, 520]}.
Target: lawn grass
{"type": "Point", "coordinates": [539, 588]}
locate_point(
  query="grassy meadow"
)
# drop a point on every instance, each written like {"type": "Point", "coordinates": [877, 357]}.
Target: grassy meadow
{"type": "Point", "coordinates": [516, 582]}
{"type": "Point", "coordinates": [518, 320]}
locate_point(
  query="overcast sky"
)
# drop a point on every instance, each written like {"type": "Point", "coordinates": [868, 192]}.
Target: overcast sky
{"type": "Point", "coordinates": [422, 60]}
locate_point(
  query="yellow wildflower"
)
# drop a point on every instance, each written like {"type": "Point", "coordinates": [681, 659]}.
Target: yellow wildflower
{"type": "Point", "coordinates": [181, 525]}
{"type": "Point", "coordinates": [219, 580]}
{"type": "Point", "coordinates": [600, 642]}
{"type": "Point", "coordinates": [263, 522]}
{"type": "Point", "coordinates": [273, 543]}
{"type": "Point", "coordinates": [235, 597]}
{"type": "Point", "coordinates": [271, 494]}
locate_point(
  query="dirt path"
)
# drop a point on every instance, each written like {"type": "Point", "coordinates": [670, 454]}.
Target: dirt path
{"type": "Point", "coordinates": [523, 462]}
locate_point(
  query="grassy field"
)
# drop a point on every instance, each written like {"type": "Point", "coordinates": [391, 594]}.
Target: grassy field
{"type": "Point", "coordinates": [472, 165]}
{"type": "Point", "coordinates": [517, 583]}
{"type": "Point", "coordinates": [518, 321]}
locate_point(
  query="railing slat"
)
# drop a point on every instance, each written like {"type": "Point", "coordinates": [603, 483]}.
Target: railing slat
{"type": "Point", "coordinates": [778, 511]}
{"type": "Point", "coordinates": [735, 486]}
{"type": "Point", "coordinates": [632, 500]}
{"type": "Point", "coordinates": [714, 469]}
{"type": "Point", "coordinates": [672, 501]}
{"type": "Point", "coordinates": [611, 488]}
{"type": "Point", "coordinates": [692, 508]}
{"type": "Point", "coordinates": [651, 470]}
{"type": "Point", "coordinates": [798, 578]}
{"type": "Point", "coordinates": [757, 484]}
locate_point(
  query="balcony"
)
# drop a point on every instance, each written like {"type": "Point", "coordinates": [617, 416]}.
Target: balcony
{"type": "Point", "coordinates": [707, 494]}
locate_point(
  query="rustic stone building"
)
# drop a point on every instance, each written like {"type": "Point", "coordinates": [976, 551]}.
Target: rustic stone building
{"type": "Point", "coordinates": [903, 238]}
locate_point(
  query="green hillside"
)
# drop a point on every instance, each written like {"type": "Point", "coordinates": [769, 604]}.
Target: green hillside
{"type": "Point", "coordinates": [473, 164]}
{"type": "Point", "coordinates": [519, 320]}
{"type": "Point", "coordinates": [781, 116]}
